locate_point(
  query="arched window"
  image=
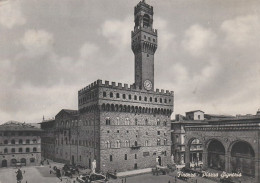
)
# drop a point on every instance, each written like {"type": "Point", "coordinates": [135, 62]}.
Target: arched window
{"type": "Point", "coordinates": [32, 160]}
{"type": "Point", "coordinates": [6, 142]}
{"type": "Point", "coordinates": [107, 121]}
{"type": "Point", "coordinates": [111, 95]}
{"type": "Point", "coordinates": [165, 123]}
{"type": "Point", "coordinates": [140, 98]}
{"type": "Point", "coordinates": [13, 150]}
{"type": "Point", "coordinates": [155, 99]}
{"type": "Point", "coordinates": [129, 97]}
{"type": "Point", "coordinates": [123, 96]}
{"type": "Point", "coordinates": [151, 99]}
{"type": "Point", "coordinates": [165, 100]}
{"type": "Point", "coordinates": [127, 143]}
{"type": "Point", "coordinates": [20, 149]}
{"type": "Point", "coordinates": [160, 100]}
{"type": "Point", "coordinates": [165, 142]}
{"type": "Point", "coordinates": [117, 95]}
{"type": "Point", "coordinates": [158, 142]}
{"type": "Point", "coordinates": [135, 97]}
{"type": "Point", "coordinates": [158, 122]}
{"type": "Point", "coordinates": [104, 94]}
{"type": "Point", "coordinates": [13, 141]}
{"type": "Point", "coordinates": [136, 144]}
{"type": "Point", "coordinates": [34, 141]}
{"type": "Point", "coordinates": [108, 145]}
{"type": "Point", "coordinates": [127, 121]}
{"type": "Point", "coordinates": [136, 121]}
{"type": "Point", "coordinates": [5, 150]}
{"type": "Point", "coordinates": [118, 144]}
{"type": "Point", "coordinates": [13, 161]}
{"type": "Point", "coordinates": [27, 141]}
{"type": "Point", "coordinates": [146, 20]}
{"type": "Point", "coordinates": [145, 98]}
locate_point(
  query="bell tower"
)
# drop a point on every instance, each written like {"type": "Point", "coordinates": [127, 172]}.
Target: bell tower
{"type": "Point", "coordinates": [144, 45]}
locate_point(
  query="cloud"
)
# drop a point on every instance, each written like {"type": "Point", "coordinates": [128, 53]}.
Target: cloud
{"type": "Point", "coordinates": [87, 50]}
{"type": "Point", "coordinates": [198, 40]}
{"type": "Point", "coordinates": [118, 32]}
{"type": "Point", "coordinates": [37, 42]}
{"type": "Point", "coordinates": [166, 37]}
{"type": "Point", "coordinates": [11, 14]}
{"type": "Point", "coordinates": [242, 31]}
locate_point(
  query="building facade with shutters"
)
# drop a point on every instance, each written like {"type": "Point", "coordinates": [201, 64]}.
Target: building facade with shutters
{"type": "Point", "coordinates": [20, 144]}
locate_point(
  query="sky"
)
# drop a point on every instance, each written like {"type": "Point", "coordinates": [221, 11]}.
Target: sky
{"type": "Point", "coordinates": [208, 53]}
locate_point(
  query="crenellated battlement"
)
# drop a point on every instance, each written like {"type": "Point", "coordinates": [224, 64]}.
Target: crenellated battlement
{"type": "Point", "coordinates": [120, 86]}
{"type": "Point", "coordinates": [143, 5]}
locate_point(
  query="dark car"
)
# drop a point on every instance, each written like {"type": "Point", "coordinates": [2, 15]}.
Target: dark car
{"type": "Point", "coordinates": [95, 178]}
{"type": "Point", "coordinates": [70, 168]}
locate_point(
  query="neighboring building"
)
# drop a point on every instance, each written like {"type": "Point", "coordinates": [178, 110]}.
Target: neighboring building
{"type": "Point", "coordinates": [179, 138]}
{"type": "Point", "coordinates": [20, 144]}
{"type": "Point", "coordinates": [48, 139]}
{"type": "Point", "coordinates": [122, 127]}
{"type": "Point", "coordinates": [195, 115]}
{"type": "Point", "coordinates": [67, 133]}
{"type": "Point", "coordinates": [228, 144]}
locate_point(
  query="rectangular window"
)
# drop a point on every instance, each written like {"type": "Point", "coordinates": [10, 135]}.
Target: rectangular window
{"type": "Point", "coordinates": [125, 156]}
{"type": "Point", "coordinates": [111, 158]}
{"type": "Point", "coordinates": [135, 156]}
{"type": "Point", "coordinates": [158, 132]}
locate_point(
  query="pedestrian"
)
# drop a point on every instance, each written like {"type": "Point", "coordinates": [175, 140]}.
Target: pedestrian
{"type": "Point", "coordinates": [125, 179]}
{"type": "Point", "coordinates": [122, 180]}
{"type": "Point", "coordinates": [50, 171]}
{"type": "Point", "coordinates": [24, 172]}
{"type": "Point", "coordinates": [169, 181]}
